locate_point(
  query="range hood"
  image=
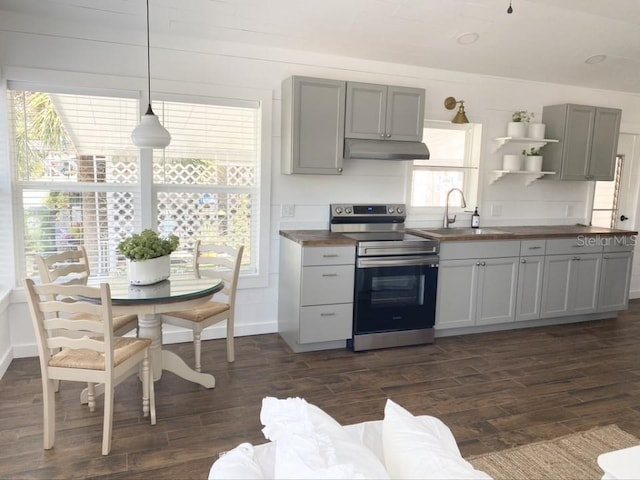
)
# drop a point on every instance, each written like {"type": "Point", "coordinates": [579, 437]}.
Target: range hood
{"type": "Point", "coordinates": [385, 149]}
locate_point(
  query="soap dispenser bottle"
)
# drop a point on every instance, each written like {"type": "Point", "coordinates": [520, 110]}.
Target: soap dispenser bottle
{"type": "Point", "coordinates": [475, 219]}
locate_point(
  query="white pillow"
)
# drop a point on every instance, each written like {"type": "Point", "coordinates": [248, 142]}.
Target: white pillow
{"type": "Point", "coordinates": [311, 444]}
{"type": "Point", "coordinates": [238, 463]}
{"type": "Point", "coordinates": [421, 448]}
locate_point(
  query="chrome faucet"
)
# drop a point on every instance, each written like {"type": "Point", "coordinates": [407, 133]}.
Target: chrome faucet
{"type": "Point", "coordinates": [449, 220]}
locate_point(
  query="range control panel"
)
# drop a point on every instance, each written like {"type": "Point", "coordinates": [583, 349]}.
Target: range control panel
{"type": "Point", "coordinates": [344, 210]}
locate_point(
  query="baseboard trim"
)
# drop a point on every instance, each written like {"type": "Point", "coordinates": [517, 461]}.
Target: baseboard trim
{"type": "Point", "coordinates": [5, 362]}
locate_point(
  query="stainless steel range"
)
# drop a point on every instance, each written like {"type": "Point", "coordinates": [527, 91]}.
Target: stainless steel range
{"type": "Point", "coordinates": [396, 277]}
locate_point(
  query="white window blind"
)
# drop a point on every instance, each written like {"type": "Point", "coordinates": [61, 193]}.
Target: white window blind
{"type": "Point", "coordinates": [75, 175]}
{"type": "Point", "coordinates": [452, 164]}
{"type": "Point", "coordinates": [207, 180]}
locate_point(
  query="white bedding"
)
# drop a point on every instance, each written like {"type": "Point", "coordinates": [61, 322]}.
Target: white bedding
{"type": "Point", "coordinates": [308, 443]}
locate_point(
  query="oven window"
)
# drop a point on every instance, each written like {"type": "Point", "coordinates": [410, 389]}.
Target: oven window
{"type": "Point", "coordinates": [397, 291]}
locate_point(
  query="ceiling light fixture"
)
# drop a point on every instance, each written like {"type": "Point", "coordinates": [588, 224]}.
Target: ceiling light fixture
{"type": "Point", "coordinates": [450, 103]}
{"type": "Point", "coordinates": [467, 38]}
{"type": "Point", "coordinates": [150, 133]}
{"type": "Point", "coordinates": [509, 10]}
{"type": "Point", "coordinates": [593, 59]}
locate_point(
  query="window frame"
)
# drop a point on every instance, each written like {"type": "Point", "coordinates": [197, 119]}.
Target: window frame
{"type": "Point", "coordinates": [105, 85]}
{"type": "Point", "coordinates": [473, 141]}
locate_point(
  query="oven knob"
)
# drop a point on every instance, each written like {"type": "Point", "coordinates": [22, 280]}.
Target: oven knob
{"type": "Point", "coordinates": [347, 210]}
{"type": "Point", "coordinates": [390, 210]}
{"type": "Point", "coordinates": [338, 210]}
{"type": "Point", "coordinates": [400, 210]}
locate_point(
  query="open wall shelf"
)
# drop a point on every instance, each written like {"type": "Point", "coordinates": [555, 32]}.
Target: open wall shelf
{"type": "Point", "coordinates": [529, 177]}
{"type": "Point", "coordinates": [531, 141]}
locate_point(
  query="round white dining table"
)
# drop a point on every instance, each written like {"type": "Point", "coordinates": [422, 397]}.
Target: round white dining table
{"type": "Point", "coordinates": [179, 292]}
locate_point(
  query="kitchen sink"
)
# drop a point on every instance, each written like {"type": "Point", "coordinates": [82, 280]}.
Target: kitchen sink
{"type": "Point", "coordinates": [446, 232]}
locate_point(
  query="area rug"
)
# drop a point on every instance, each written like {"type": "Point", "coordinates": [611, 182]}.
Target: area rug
{"type": "Point", "coordinates": [573, 456]}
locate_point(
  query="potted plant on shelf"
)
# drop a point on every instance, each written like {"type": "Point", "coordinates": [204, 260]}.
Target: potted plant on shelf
{"type": "Point", "coordinates": [517, 127]}
{"type": "Point", "coordinates": [532, 160]}
{"type": "Point", "coordinates": [148, 256]}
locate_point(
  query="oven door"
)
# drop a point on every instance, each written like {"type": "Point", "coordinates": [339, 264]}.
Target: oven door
{"type": "Point", "coordinates": [395, 293]}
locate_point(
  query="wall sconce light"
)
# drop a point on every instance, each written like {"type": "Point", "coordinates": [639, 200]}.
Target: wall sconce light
{"type": "Point", "coordinates": [450, 103]}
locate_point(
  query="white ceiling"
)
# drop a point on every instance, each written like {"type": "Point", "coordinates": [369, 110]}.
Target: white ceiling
{"type": "Point", "coordinates": [544, 40]}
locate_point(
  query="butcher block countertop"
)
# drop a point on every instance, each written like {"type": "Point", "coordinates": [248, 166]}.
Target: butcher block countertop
{"type": "Point", "coordinates": [517, 232]}
{"type": "Point", "coordinates": [325, 238]}
{"type": "Point", "coordinates": [317, 238]}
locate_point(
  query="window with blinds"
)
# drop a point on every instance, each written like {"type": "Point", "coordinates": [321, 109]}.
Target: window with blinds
{"type": "Point", "coordinates": [75, 175]}
{"type": "Point", "coordinates": [453, 163]}
{"type": "Point", "coordinates": [77, 181]}
{"type": "Point", "coordinates": [207, 178]}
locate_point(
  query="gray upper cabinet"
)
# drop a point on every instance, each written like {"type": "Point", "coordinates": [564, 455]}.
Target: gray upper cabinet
{"type": "Point", "coordinates": [588, 141]}
{"type": "Point", "coordinates": [382, 112]}
{"type": "Point", "coordinates": [312, 125]}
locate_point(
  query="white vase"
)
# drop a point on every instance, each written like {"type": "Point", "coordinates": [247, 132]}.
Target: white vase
{"type": "Point", "coordinates": [533, 163]}
{"type": "Point", "coordinates": [536, 130]}
{"type": "Point", "coordinates": [517, 129]}
{"type": "Point", "coordinates": [147, 272]}
{"type": "Point", "coordinates": [512, 162]}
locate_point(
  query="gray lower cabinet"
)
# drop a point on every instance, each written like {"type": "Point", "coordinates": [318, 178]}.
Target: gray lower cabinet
{"type": "Point", "coordinates": [312, 125]}
{"type": "Point", "coordinates": [571, 280]}
{"type": "Point", "coordinates": [530, 277]}
{"type": "Point", "coordinates": [588, 141]}
{"type": "Point", "coordinates": [480, 290]}
{"type": "Point", "coordinates": [615, 276]}
{"type": "Point", "coordinates": [382, 112]}
{"type": "Point", "coordinates": [315, 298]}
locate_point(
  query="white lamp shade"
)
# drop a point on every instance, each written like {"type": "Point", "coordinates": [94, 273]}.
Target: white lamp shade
{"type": "Point", "coordinates": [150, 133]}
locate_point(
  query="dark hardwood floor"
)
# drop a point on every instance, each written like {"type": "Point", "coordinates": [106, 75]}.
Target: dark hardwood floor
{"type": "Point", "coordinates": [494, 390]}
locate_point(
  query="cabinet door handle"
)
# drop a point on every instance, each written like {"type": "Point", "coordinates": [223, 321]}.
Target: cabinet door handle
{"type": "Point", "coordinates": [382, 135]}
{"type": "Point", "coordinates": [535, 248]}
{"type": "Point", "coordinates": [483, 263]}
{"type": "Point", "coordinates": [605, 256]}
{"type": "Point", "coordinates": [330, 255]}
{"type": "Point", "coordinates": [524, 260]}
{"type": "Point", "coordinates": [329, 274]}
{"type": "Point", "coordinates": [477, 263]}
{"type": "Point", "coordinates": [328, 314]}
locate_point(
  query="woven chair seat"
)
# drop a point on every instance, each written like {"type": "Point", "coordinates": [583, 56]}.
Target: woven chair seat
{"type": "Point", "coordinates": [124, 348]}
{"type": "Point", "coordinates": [202, 313]}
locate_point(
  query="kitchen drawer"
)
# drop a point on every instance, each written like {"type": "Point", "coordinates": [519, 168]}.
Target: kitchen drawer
{"type": "Point", "coordinates": [532, 247]}
{"type": "Point", "coordinates": [479, 249]}
{"type": "Point", "coordinates": [576, 245]}
{"type": "Point", "coordinates": [329, 255]}
{"type": "Point", "coordinates": [326, 323]}
{"type": "Point", "coordinates": [621, 243]}
{"type": "Point", "coordinates": [327, 284]}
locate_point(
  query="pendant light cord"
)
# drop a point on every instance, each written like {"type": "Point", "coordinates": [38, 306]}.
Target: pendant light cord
{"type": "Point", "coordinates": [149, 110]}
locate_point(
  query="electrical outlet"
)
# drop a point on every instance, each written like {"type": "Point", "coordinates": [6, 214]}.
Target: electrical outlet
{"type": "Point", "coordinates": [288, 210]}
{"type": "Point", "coordinates": [496, 210]}
{"type": "Point", "coordinates": [568, 211]}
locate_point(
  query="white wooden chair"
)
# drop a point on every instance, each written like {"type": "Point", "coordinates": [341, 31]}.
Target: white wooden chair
{"type": "Point", "coordinates": [98, 356]}
{"type": "Point", "coordinates": [71, 267]}
{"type": "Point", "coordinates": [217, 261]}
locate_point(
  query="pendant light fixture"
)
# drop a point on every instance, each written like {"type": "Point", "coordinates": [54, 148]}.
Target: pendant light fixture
{"type": "Point", "coordinates": [150, 133]}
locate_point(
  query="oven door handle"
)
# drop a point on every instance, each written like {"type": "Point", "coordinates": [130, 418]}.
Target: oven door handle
{"type": "Point", "coordinates": [398, 261]}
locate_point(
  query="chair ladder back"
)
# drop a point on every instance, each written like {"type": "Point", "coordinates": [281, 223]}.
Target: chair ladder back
{"type": "Point", "coordinates": [55, 330]}
{"type": "Point", "coordinates": [71, 263]}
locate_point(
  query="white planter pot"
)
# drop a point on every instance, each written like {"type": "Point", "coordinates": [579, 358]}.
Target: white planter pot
{"type": "Point", "coordinates": [512, 162]}
{"type": "Point", "coordinates": [536, 130]}
{"type": "Point", "coordinates": [533, 163]}
{"type": "Point", "coordinates": [147, 272]}
{"type": "Point", "coordinates": [517, 129]}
